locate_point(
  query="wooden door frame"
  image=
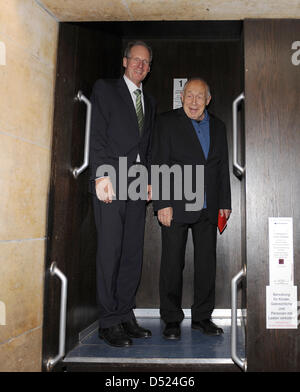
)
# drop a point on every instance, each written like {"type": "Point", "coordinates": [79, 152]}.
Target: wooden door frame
{"type": "Point", "coordinates": [71, 232]}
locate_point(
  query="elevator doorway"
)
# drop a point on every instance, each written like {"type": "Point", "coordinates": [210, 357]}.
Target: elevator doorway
{"type": "Point", "coordinates": [87, 52]}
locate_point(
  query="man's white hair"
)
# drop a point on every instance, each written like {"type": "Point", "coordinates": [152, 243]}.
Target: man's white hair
{"type": "Point", "coordinates": [208, 94]}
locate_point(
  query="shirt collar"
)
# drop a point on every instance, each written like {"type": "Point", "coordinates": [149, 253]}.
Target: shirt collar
{"type": "Point", "coordinates": [205, 119]}
{"type": "Point", "coordinates": [131, 86]}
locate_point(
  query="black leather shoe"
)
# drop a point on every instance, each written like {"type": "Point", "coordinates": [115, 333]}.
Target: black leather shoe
{"type": "Point", "coordinates": [172, 331]}
{"type": "Point", "coordinates": [133, 330]}
{"type": "Point", "coordinates": [115, 336]}
{"type": "Point", "coordinates": [207, 326]}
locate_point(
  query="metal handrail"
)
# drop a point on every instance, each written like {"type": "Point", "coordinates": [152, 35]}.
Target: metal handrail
{"type": "Point", "coordinates": [235, 103]}
{"type": "Point", "coordinates": [63, 313]}
{"type": "Point", "coordinates": [234, 283]}
{"type": "Point", "coordinates": [80, 97]}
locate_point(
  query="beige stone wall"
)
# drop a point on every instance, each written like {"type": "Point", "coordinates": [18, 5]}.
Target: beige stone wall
{"type": "Point", "coordinates": [95, 10]}
{"type": "Point", "coordinates": [28, 42]}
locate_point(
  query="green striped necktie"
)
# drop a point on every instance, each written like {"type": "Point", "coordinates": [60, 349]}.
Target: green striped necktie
{"type": "Point", "coordinates": [139, 109]}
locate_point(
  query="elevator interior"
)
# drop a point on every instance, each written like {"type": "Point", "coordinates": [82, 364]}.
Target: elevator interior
{"type": "Point", "coordinates": [86, 52]}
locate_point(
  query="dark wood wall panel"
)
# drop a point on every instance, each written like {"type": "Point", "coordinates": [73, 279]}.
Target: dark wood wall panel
{"type": "Point", "coordinates": [59, 179]}
{"type": "Point", "coordinates": [83, 57]}
{"type": "Point", "coordinates": [98, 55]}
{"type": "Point", "coordinates": [272, 177]}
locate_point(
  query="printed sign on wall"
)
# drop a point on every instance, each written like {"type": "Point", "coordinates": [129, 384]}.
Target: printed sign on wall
{"type": "Point", "coordinates": [281, 294]}
{"type": "Point", "coordinates": [281, 257]}
{"type": "Point", "coordinates": [282, 307]}
{"type": "Point", "coordinates": [178, 85]}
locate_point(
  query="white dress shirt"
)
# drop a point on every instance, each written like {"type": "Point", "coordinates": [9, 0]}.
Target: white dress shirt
{"type": "Point", "coordinates": [132, 87]}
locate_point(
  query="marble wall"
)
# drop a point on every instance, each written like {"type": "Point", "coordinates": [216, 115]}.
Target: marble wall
{"type": "Point", "coordinates": [28, 42]}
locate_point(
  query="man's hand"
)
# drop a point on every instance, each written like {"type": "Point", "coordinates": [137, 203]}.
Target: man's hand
{"type": "Point", "coordinates": [104, 189]}
{"type": "Point", "coordinates": [226, 212]}
{"type": "Point", "coordinates": [165, 215]}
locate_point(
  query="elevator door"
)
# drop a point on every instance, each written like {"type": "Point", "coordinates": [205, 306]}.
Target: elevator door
{"type": "Point", "coordinates": [83, 56]}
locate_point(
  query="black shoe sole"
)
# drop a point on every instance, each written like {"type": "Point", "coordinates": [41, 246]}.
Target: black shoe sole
{"type": "Point", "coordinates": [172, 337]}
{"type": "Point", "coordinates": [207, 333]}
{"type": "Point", "coordinates": [138, 337]}
{"type": "Point", "coordinates": [114, 344]}
{"type": "Point", "coordinates": [136, 332]}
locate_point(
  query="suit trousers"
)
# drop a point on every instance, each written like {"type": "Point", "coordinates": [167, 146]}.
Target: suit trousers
{"type": "Point", "coordinates": [174, 239]}
{"type": "Point", "coordinates": [120, 235]}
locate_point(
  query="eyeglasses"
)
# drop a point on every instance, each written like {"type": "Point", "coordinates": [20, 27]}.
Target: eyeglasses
{"type": "Point", "coordinates": [137, 61]}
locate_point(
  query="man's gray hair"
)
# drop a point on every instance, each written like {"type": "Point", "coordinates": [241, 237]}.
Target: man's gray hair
{"type": "Point", "coordinates": [200, 80]}
{"type": "Point", "coordinates": [131, 44]}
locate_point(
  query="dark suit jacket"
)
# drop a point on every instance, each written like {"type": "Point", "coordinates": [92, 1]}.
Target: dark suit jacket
{"type": "Point", "coordinates": [114, 126]}
{"type": "Point", "coordinates": [175, 142]}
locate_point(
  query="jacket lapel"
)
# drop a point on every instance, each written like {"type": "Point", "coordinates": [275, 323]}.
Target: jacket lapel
{"type": "Point", "coordinates": [212, 134]}
{"type": "Point", "coordinates": [147, 110]}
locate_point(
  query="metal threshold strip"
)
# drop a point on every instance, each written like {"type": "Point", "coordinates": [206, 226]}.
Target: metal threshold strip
{"type": "Point", "coordinates": [181, 361]}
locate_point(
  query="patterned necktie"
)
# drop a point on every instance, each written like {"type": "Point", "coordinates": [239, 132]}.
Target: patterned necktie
{"type": "Point", "coordinates": [139, 109]}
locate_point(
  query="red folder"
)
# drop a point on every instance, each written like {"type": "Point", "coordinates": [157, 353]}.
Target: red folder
{"type": "Point", "coordinates": [222, 222]}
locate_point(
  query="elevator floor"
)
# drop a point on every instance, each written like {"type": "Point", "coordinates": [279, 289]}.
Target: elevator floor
{"type": "Point", "coordinates": [193, 348]}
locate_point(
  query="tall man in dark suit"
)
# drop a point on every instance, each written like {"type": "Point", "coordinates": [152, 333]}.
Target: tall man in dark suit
{"type": "Point", "coordinates": [191, 136]}
{"type": "Point", "coordinates": [121, 125]}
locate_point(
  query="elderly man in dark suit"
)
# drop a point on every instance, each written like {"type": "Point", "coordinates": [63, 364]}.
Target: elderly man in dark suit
{"type": "Point", "coordinates": [191, 136]}
{"type": "Point", "coordinates": [121, 125]}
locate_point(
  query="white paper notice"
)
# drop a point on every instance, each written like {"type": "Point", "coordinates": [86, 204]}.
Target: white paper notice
{"type": "Point", "coordinates": [178, 85]}
{"type": "Point", "coordinates": [282, 307]}
{"type": "Point", "coordinates": [281, 253]}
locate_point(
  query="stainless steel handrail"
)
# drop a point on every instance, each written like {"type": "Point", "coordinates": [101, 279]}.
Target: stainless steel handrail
{"type": "Point", "coordinates": [235, 103]}
{"type": "Point", "coordinates": [234, 283]}
{"type": "Point", "coordinates": [80, 97]}
{"type": "Point", "coordinates": [63, 313]}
